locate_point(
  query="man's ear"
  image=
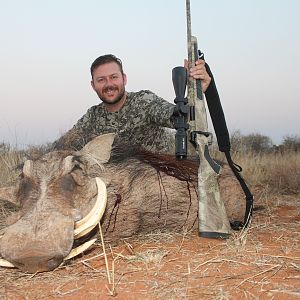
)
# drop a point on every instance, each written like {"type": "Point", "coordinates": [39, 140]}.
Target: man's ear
{"type": "Point", "coordinates": [92, 84]}
{"type": "Point", "coordinates": [125, 78]}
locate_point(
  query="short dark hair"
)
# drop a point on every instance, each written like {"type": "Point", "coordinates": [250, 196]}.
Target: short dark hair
{"type": "Point", "coordinates": [104, 59]}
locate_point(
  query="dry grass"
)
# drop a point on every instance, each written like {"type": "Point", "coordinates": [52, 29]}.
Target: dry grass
{"type": "Point", "coordinates": [279, 172]}
{"type": "Point", "coordinates": [276, 173]}
{"type": "Point", "coordinates": [9, 163]}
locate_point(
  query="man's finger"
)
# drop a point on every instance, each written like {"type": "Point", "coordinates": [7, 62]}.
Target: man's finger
{"type": "Point", "coordinates": [186, 63]}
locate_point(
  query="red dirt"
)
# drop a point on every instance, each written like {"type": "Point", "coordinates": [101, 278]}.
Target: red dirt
{"type": "Point", "coordinates": [262, 263]}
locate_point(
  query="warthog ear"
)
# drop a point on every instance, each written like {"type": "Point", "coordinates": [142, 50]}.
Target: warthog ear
{"type": "Point", "coordinates": [99, 149]}
{"type": "Point", "coordinates": [8, 194]}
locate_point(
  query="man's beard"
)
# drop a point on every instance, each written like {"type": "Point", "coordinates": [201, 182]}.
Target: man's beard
{"type": "Point", "coordinates": [117, 99]}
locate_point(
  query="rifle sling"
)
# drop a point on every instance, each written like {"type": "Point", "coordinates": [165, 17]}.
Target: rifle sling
{"type": "Point", "coordinates": [220, 127]}
{"type": "Point", "coordinates": [217, 114]}
{"type": "Point", "coordinates": [249, 197]}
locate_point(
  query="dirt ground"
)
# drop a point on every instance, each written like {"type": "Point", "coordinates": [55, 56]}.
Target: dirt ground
{"type": "Point", "coordinates": [260, 263]}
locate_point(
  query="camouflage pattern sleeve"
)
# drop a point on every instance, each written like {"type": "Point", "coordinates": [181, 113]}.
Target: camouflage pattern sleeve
{"type": "Point", "coordinates": [145, 120]}
{"type": "Point", "coordinates": [159, 111]}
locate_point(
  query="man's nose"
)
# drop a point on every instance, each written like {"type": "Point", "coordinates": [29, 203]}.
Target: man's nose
{"type": "Point", "coordinates": [108, 82]}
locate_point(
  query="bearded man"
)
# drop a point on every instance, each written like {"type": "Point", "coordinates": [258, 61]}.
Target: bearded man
{"type": "Point", "coordinates": [139, 118]}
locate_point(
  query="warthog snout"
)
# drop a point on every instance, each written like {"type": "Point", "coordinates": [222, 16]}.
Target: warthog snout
{"type": "Point", "coordinates": [37, 262]}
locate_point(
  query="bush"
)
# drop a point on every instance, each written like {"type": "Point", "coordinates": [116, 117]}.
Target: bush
{"type": "Point", "coordinates": [291, 143]}
{"type": "Point", "coordinates": [4, 148]}
{"type": "Point", "coordinates": [254, 142]}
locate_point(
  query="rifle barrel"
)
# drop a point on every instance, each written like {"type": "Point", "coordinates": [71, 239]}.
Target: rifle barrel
{"type": "Point", "coordinates": [189, 31]}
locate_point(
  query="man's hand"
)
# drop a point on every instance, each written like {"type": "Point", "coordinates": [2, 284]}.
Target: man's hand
{"type": "Point", "coordinates": [199, 72]}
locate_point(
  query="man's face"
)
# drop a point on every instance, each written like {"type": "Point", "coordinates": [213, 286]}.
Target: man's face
{"type": "Point", "coordinates": [109, 83]}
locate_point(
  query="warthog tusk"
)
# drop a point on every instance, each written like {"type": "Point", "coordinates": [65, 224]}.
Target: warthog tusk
{"type": "Point", "coordinates": [80, 249]}
{"type": "Point", "coordinates": [6, 264]}
{"type": "Point", "coordinates": [92, 219]}
{"type": "Point", "coordinates": [2, 231]}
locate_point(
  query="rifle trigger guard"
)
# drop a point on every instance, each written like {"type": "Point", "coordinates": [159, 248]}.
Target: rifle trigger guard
{"type": "Point", "coordinates": [205, 133]}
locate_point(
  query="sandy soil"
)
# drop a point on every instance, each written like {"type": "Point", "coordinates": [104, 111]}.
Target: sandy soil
{"type": "Point", "coordinates": [260, 263]}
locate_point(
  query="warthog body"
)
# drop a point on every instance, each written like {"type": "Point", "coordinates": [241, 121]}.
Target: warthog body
{"type": "Point", "coordinates": [145, 192]}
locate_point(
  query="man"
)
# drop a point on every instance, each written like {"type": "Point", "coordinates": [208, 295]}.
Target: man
{"type": "Point", "coordinates": [140, 118]}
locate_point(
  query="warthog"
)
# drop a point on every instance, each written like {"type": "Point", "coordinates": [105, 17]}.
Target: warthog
{"type": "Point", "coordinates": [145, 192]}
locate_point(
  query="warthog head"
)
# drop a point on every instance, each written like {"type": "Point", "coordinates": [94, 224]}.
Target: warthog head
{"type": "Point", "coordinates": [57, 202]}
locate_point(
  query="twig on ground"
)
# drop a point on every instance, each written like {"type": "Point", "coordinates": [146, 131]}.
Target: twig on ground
{"type": "Point", "coordinates": [260, 273]}
{"type": "Point", "coordinates": [104, 253]}
{"type": "Point", "coordinates": [282, 256]}
{"type": "Point", "coordinates": [91, 258]}
{"type": "Point", "coordinates": [206, 262]}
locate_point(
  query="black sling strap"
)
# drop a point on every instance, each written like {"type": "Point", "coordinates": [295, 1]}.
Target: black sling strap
{"type": "Point", "coordinates": [219, 123]}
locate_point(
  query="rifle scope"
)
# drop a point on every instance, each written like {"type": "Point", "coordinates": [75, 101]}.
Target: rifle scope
{"type": "Point", "coordinates": [179, 78]}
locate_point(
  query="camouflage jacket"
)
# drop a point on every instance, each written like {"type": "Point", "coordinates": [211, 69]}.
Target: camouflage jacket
{"type": "Point", "coordinates": [141, 121]}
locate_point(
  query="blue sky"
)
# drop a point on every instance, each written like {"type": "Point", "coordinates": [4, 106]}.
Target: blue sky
{"type": "Point", "coordinates": [47, 47]}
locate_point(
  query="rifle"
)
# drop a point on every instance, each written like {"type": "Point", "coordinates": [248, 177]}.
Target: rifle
{"type": "Point", "coordinates": [191, 121]}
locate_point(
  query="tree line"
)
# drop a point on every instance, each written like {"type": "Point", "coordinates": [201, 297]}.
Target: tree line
{"type": "Point", "coordinates": [254, 142]}
{"type": "Point", "coordinates": [259, 143]}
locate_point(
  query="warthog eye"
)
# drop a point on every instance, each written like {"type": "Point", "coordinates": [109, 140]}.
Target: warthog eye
{"type": "Point", "coordinates": [25, 187]}
{"type": "Point", "coordinates": [78, 175]}
{"type": "Point", "coordinates": [76, 167]}
{"type": "Point", "coordinates": [67, 183]}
